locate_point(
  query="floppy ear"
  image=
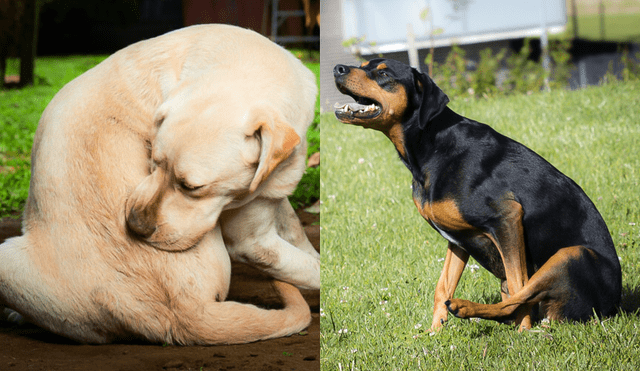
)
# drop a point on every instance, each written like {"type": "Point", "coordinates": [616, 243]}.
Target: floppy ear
{"type": "Point", "coordinates": [428, 97]}
{"type": "Point", "coordinates": [277, 140]}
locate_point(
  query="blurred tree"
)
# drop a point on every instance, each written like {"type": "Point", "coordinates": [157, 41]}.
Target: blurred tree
{"type": "Point", "coordinates": [10, 11]}
{"type": "Point", "coordinates": [28, 40]}
{"type": "Point", "coordinates": [18, 36]}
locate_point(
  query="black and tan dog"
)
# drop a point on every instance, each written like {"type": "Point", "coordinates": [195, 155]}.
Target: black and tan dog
{"type": "Point", "coordinates": [491, 198]}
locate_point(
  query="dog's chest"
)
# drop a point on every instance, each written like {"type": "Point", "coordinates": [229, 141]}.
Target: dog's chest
{"type": "Point", "coordinates": [443, 214]}
{"type": "Point", "coordinates": [446, 218]}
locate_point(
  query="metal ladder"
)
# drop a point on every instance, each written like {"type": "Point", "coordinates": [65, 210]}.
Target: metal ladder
{"type": "Point", "coordinates": [277, 19]}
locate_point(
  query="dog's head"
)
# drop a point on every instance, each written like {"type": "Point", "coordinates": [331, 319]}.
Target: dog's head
{"type": "Point", "coordinates": [209, 153]}
{"type": "Point", "coordinates": [387, 93]}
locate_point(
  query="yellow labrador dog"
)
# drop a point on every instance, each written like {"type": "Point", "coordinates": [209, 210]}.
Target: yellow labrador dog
{"type": "Point", "coordinates": [148, 172]}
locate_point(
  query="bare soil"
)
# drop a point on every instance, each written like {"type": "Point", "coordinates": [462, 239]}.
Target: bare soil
{"type": "Point", "coordinates": [28, 347]}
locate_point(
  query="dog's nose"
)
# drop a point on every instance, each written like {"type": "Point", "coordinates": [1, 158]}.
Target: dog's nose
{"type": "Point", "coordinates": [138, 225]}
{"type": "Point", "coordinates": [340, 70]}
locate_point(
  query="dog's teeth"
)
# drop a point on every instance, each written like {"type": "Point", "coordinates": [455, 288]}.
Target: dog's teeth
{"type": "Point", "coordinates": [355, 108]}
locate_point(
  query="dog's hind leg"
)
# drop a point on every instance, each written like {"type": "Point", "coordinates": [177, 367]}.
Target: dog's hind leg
{"type": "Point", "coordinates": [234, 323]}
{"type": "Point", "coordinates": [508, 238]}
{"type": "Point", "coordinates": [571, 284]}
{"type": "Point", "coordinates": [251, 236]}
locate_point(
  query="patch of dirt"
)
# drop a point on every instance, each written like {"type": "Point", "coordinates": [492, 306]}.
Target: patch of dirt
{"type": "Point", "coordinates": [28, 347]}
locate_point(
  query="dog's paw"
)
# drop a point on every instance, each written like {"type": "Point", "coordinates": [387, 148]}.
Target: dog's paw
{"type": "Point", "coordinates": [437, 325]}
{"type": "Point", "coordinates": [12, 316]}
{"type": "Point", "coordinates": [457, 307]}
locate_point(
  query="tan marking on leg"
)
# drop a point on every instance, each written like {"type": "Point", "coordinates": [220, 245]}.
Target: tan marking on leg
{"type": "Point", "coordinates": [548, 284]}
{"type": "Point", "coordinates": [454, 264]}
{"type": "Point", "coordinates": [509, 239]}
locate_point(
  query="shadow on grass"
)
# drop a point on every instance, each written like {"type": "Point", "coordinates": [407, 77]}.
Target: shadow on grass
{"type": "Point", "coordinates": [630, 302]}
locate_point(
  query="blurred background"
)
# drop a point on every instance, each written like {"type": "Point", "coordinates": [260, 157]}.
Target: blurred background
{"type": "Point", "coordinates": [63, 27]}
{"type": "Point", "coordinates": [573, 43]}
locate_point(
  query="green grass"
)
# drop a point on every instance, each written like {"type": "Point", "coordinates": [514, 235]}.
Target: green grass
{"type": "Point", "coordinates": [20, 110]}
{"type": "Point", "coordinates": [617, 27]}
{"type": "Point", "coordinates": [380, 260]}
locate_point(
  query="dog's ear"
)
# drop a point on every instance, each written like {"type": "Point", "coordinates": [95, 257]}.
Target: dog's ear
{"type": "Point", "coordinates": [428, 97]}
{"type": "Point", "coordinates": [277, 140]}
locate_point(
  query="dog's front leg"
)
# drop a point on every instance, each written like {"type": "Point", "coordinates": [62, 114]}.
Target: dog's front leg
{"type": "Point", "coordinates": [508, 237]}
{"type": "Point", "coordinates": [454, 264]}
{"type": "Point", "coordinates": [289, 227]}
{"type": "Point", "coordinates": [253, 234]}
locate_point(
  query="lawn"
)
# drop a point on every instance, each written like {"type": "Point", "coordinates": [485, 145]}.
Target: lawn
{"type": "Point", "coordinates": [20, 110]}
{"type": "Point", "coordinates": [617, 27]}
{"type": "Point", "coordinates": [380, 260]}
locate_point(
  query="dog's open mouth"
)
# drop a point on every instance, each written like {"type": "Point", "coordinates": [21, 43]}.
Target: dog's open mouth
{"type": "Point", "coordinates": [363, 108]}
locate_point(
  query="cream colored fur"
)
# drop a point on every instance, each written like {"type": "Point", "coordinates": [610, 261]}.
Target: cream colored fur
{"type": "Point", "coordinates": [148, 172]}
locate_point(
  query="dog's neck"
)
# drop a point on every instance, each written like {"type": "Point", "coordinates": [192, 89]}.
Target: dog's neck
{"type": "Point", "coordinates": [420, 141]}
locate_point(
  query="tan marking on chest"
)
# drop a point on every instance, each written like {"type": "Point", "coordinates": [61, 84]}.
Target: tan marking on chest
{"type": "Point", "coordinates": [397, 138]}
{"type": "Point", "coordinates": [444, 214]}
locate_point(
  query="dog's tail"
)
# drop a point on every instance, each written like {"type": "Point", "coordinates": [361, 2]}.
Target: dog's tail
{"type": "Point", "coordinates": [235, 323]}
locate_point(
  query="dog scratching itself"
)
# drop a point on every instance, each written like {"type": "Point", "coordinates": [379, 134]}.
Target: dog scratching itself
{"type": "Point", "coordinates": [149, 173]}
{"type": "Point", "coordinates": [492, 198]}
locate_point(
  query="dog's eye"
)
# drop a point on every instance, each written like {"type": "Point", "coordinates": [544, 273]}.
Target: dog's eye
{"type": "Point", "coordinates": [188, 187]}
{"type": "Point", "coordinates": [383, 73]}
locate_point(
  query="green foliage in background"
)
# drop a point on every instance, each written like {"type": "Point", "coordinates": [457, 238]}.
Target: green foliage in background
{"type": "Point", "coordinates": [521, 75]}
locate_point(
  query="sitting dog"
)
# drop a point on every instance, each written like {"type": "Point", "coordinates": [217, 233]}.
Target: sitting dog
{"type": "Point", "coordinates": [492, 198]}
{"type": "Point", "coordinates": [148, 172]}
